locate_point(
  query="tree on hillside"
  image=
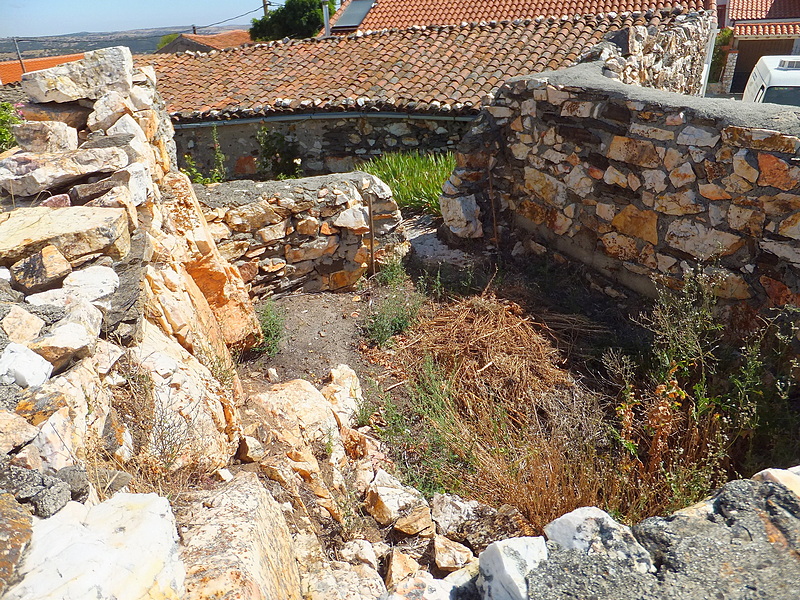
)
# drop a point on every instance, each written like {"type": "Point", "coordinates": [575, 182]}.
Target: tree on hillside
{"type": "Point", "coordinates": [166, 39]}
{"type": "Point", "coordinates": [295, 19]}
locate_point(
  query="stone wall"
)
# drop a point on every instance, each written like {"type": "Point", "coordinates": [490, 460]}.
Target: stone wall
{"type": "Point", "coordinates": [115, 303]}
{"type": "Point", "coordinates": [300, 233]}
{"type": "Point", "coordinates": [332, 144]}
{"type": "Point", "coordinates": [668, 59]}
{"type": "Point", "coordinates": [638, 183]}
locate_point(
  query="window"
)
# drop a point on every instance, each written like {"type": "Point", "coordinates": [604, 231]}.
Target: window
{"type": "Point", "coordinates": [783, 94]}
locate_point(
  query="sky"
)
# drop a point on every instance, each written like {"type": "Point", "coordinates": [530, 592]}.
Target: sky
{"type": "Point", "coordinates": [29, 18]}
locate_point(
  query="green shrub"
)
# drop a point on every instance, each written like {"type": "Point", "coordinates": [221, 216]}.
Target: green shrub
{"type": "Point", "coordinates": [415, 179]}
{"type": "Point", "coordinates": [8, 117]}
{"type": "Point", "coordinates": [393, 315]}
{"type": "Point", "coordinates": [272, 320]}
{"type": "Point", "coordinates": [392, 273]}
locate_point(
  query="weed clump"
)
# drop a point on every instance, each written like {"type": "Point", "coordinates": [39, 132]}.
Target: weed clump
{"type": "Point", "coordinates": [392, 316]}
{"type": "Point", "coordinates": [272, 320]}
{"type": "Point", "coordinates": [415, 178]}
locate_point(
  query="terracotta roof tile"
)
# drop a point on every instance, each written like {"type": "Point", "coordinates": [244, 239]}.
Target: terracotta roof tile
{"type": "Point", "coordinates": [420, 68]}
{"type": "Point", "coordinates": [763, 9]}
{"type": "Point", "coordinates": [407, 13]}
{"type": "Point", "coordinates": [767, 30]}
{"type": "Point", "coordinates": [218, 41]}
{"type": "Point", "coordinates": [11, 71]}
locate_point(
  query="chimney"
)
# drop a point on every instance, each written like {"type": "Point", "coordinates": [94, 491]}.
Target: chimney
{"type": "Point", "coordinates": [326, 17]}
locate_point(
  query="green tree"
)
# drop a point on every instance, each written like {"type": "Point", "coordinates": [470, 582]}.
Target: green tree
{"type": "Point", "coordinates": [8, 117]}
{"type": "Point", "coordinates": [166, 39]}
{"type": "Point", "coordinates": [295, 19]}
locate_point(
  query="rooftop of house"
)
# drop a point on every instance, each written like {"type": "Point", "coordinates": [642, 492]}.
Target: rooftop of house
{"type": "Point", "coordinates": [218, 41]}
{"type": "Point", "coordinates": [407, 13]}
{"type": "Point", "coordinates": [11, 71]}
{"type": "Point", "coordinates": [769, 10]}
{"type": "Point", "coordinates": [447, 69]}
{"type": "Point", "coordinates": [781, 29]}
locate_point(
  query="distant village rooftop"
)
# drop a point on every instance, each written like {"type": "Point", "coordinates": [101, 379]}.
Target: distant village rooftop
{"type": "Point", "coordinates": [438, 69]}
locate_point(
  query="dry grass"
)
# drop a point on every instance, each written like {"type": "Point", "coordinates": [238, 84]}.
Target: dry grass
{"type": "Point", "coordinates": [521, 430]}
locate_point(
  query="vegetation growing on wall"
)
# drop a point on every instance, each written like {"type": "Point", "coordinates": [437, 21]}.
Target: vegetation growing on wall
{"type": "Point", "coordinates": [415, 178]}
{"type": "Point", "coordinates": [218, 172]}
{"type": "Point", "coordinates": [278, 158]}
{"type": "Point", "coordinates": [8, 117]}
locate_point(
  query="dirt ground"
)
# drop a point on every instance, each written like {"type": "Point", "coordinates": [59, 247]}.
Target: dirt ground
{"type": "Point", "coordinates": [322, 332]}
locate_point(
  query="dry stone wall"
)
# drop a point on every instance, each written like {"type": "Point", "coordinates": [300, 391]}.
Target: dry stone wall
{"type": "Point", "coordinates": [306, 233]}
{"type": "Point", "coordinates": [638, 183]}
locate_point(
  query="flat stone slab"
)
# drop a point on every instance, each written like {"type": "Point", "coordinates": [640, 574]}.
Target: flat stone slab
{"type": "Point", "coordinates": [75, 231]}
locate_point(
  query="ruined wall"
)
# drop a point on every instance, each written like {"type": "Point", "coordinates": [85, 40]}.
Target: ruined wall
{"type": "Point", "coordinates": [324, 145]}
{"type": "Point", "coordinates": [637, 183]}
{"type": "Point", "coordinates": [311, 233]}
{"type": "Point", "coordinates": [116, 307]}
{"type": "Point", "coordinates": [668, 59]}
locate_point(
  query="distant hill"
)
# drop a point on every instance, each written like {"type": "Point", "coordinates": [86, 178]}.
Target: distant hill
{"type": "Point", "coordinates": [140, 41]}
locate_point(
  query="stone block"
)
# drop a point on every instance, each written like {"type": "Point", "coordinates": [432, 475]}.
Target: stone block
{"type": "Point", "coordinates": [632, 151]}
{"type": "Point", "coordinates": [98, 72]}
{"type": "Point", "coordinates": [27, 174]}
{"type": "Point", "coordinates": [45, 136]}
{"type": "Point", "coordinates": [41, 270]}
{"type": "Point", "coordinates": [700, 241]}
{"type": "Point", "coordinates": [21, 326]}
{"type": "Point", "coordinates": [505, 565]}
{"type": "Point", "coordinates": [635, 222]}
{"type": "Point", "coordinates": [22, 366]}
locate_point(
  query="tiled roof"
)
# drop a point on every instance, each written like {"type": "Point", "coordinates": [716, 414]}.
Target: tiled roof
{"type": "Point", "coordinates": [11, 71]}
{"type": "Point", "coordinates": [407, 13]}
{"type": "Point", "coordinates": [218, 41]}
{"type": "Point", "coordinates": [763, 9]}
{"type": "Point", "coordinates": [422, 69]}
{"type": "Point", "coordinates": [767, 29]}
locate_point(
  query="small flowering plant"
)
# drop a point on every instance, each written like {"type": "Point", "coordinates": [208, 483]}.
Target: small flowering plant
{"type": "Point", "coordinates": [8, 117]}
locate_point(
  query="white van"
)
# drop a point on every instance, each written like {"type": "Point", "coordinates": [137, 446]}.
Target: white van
{"type": "Point", "coordinates": [775, 79]}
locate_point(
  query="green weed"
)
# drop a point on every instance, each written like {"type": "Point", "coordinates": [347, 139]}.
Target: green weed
{"type": "Point", "coordinates": [8, 117]}
{"type": "Point", "coordinates": [272, 320]}
{"type": "Point", "coordinates": [218, 172]}
{"type": "Point", "coordinates": [415, 179]}
{"type": "Point", "coordinates": [392, 315]}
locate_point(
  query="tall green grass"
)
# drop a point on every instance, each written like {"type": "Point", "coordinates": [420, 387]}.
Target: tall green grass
{"type": "Point", "coordinates": [415, 179]}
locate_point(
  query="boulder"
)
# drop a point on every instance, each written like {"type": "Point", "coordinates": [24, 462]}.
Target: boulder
{"type": "Point", "coordinates": [95, 284]}
{"type": "Point", "coordinates": [20, 365]}
{"type": "Point", "coordinates": [422, 586]}
{"type": "Point", "coordinates": [27, 174]}
{"type": "Point", "coordinates": [784, 477]}
{"type": "Point", "coordinates": [45, 136]}
{"type": "Point", "coordinates": [450, 555]}
{"type": "Point", "coordinates": [108, 109]}
{"type": "Point", "coordinates": [344, 393]}
{"type": "Point", "coordinates": [416, 522]}
{"type": "Point", "coordinates": [71, 113]}
{"type": "Point", "coordinates": [100, 71]}
{"type": "Point", "coordinates": [125, 547]}
{"type": "Point", "coordinates": [238, 540]}
{"type": "Point", "coordinates": [20, 325]}
{"type": "Point", "coordinates": [15, 432]}
{"type": "Point", "coordinates": [387, 499]}
{"type": "Point", "coordinates": [505, 565]}
{"type": "Point", "coordinates": [593, 531]}
{"type": "Point", "coordinates": [359, 552]}
{"type": "Point", "coordinates": [41, 270]}
{"type": "Point", "coordinates": [15, 534]}
{"type": "Point", "coordinates": [75, 231]}
{"type": "Point", "coordinates": [343, 581]}
{"type": "Point", "coordinates": [64, 343]}
{"type": "Point", "coordinates": [450, 512]}
{"type": "Point", "coordinates": [44, 494]}
{"type": "Point", "coordinates": [401, 565]}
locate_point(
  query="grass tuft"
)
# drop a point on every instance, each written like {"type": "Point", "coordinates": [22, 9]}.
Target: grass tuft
{"type": "Point", "coordinates": [415, 179]}
{"type": "Point", "coordinates": [272, 320]}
